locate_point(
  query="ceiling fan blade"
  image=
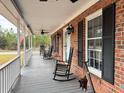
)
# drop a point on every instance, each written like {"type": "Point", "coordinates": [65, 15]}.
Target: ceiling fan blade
{"type": "Point", "coordinates": [46, 32]}
{"type": "Point", "coordinates": [43, 0]}
{"type": "Point", "coordinates": [42, 32]}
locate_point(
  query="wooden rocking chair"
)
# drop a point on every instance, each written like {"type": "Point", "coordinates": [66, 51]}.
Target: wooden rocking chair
{"type": "Point", "coordinates": [62, 68]}
{"type": "Point", "coordinates": [48, 54]}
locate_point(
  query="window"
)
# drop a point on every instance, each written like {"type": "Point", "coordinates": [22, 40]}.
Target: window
{"type": "Point", "coordinates": [94, 42]}
{"type": "Point", "coordinates": [100, 42]}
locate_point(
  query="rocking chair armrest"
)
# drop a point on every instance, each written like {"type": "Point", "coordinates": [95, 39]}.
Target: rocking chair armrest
{"type": "Point", "coordinates": [61, 63]}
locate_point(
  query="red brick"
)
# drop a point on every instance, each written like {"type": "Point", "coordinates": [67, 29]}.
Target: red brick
{"type": "Point", "coordinates": [120, 46]}
{"type": "Point", "coordinates": [117, 67]}
{"type": "Point", "coordinates": [122, 69]}
{"type": "Point", "coordinates": [120, 29]}
{"type": "Point", "coordinates": [122, 33]}
{"type": "Point", "coordinates": [119, 38]}
{"type": "Point", "coordinates": [118, 34]}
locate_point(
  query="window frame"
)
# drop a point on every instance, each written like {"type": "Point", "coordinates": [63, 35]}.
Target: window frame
{"type": "Point", "coordinates": [88, 18]}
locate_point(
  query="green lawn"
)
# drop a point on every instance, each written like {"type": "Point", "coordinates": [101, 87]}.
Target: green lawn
{"type": "Point", "coordinates": [6, 57]}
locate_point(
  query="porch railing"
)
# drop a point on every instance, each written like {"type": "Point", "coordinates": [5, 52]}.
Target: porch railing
{"type": "Point", "coordinates": [9, 73]}
{"type": "Point", "coordinates": [28, 55]}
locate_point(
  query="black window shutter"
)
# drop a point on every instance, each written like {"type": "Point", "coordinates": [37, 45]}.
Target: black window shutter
{"type": "Point", "coordinates": [80, 43]}
{"type": "Point", "coordinates": [108, 43]}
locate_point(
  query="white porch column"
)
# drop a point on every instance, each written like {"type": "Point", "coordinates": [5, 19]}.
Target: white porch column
{"type": "Point", "coordinates": [18, 36]}
{"type": "Point", "coordinates": [18, 43]}
{"type": "Point", "coordinates": [29, 40]}
{"type": "Point", "coordinates": [24, 44]}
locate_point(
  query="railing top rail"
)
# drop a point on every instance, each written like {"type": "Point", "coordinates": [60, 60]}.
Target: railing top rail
{"type": "Point", "coordinates": [9, 62]}
{"type": "Point", "coordinates": [28, 50]}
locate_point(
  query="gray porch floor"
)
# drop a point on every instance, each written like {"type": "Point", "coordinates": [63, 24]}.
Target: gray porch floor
{"type": "Point", "coordinates": [37, 78]}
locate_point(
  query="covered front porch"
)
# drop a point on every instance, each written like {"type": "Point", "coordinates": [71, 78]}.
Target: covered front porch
{"type": "Point", "coordinates": [93, 28]}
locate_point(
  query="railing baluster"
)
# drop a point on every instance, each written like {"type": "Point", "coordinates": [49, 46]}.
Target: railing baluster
{"type": "Point", "coordinates": [10, 71]}
{"type": "Point", "coordinates": [28, 56]}
{"type": "Point", "coordinates": [5, 80]}
{"type": "Point", "coordinates": [8, 74]}
{"type": "Point", "coordinates": [1, 82]}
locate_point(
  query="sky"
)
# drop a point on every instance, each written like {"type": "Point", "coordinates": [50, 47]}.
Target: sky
{"type": "Point", "coordinates": [7, 24]}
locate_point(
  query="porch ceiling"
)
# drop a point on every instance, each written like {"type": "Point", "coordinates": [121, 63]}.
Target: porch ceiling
{"type": "Point", "coordinates": [49, 15]}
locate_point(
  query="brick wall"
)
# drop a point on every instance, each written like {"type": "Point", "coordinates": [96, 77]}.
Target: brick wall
{"type": "Point", "coordinates": [58, 38]}
{"type": "Point", "coordinates": [61, 44]}
{"type": "Point", "coordinates": [119, 46]}
{"type": "Point", "coordinates": [102, 86]}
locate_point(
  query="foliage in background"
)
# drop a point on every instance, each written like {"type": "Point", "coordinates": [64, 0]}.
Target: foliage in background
{"type": "Point", "coordinates": [11, 40]}
{"type": "Point", "coordinates": [3, 42]}
{"type": "Point", "coordinates": [41, 40]}
{"type": "Point", "coordinates": [27, 42]}
{"type": "Point", "coordinates": [8, 39]}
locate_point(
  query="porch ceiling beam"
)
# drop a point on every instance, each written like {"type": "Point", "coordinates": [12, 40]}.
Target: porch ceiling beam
{"type": "Point", "coordinates": [21, 14]}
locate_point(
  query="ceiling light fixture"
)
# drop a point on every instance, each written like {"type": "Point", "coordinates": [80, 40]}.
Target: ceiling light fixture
{"type": "Point", "coordinates": [43, 0]}
{"type": "Point", "coordinates": [73, 1]}
{"type": "Point", "coordinates": [70, 29]}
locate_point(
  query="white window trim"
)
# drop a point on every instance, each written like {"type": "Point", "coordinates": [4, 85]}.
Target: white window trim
{"type": "Point", "coordinates": [90, 17]}
{"type": "Point", "coordinates": [95, 72]}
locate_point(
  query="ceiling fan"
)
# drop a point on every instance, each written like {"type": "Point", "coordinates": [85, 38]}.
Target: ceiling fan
{"type": "Point", "coordinates": [73, 1]}
{"type": "Point", "coordinates": [43, 31]}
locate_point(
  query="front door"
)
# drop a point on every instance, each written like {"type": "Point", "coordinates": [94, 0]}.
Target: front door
{"type": "Point", "coordinates": [66, 45]}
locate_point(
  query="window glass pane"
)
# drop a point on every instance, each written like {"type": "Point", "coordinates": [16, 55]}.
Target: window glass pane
{"type": "Point", "coordinates": [97, 55]}
{"type": "Point", "coordinates": [91, 29]}
{"type": "Point", "coordinates": [98, 31]}
{"type": "Point", "coordinates": [91, 54]}
{"type": "Point", "coordinates": [96, 64]}
{"type": "Point", "coordinates": [96, 22]}
{"type": "Point", "coordinates": [91, 44]}
{"type": "Point", "coordinates": [90, 24]}
{"type": "Point", "coordinates": [94, 56]}
{"type": "Point", "coordinates": [90, 33]}
{"type": "Point", "coordinates": [98, 44]}
{"type": "Point", "coordinates": [91, 62]}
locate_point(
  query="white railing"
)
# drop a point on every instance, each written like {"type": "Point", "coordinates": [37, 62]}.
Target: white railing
{"type": "Point", "coordinates": [9, 73]}
{"type": "Point", "coordinates": [28, 55]}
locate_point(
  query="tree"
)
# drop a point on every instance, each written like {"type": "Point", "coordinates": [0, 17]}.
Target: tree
{"type": "Point", "coordinates": [3, 42]}
{"type": "Point", "coordinates": [27, 42]}
{"type": "Point", "coordinates": [11, 40]}
{"type": "Point", "coordinates": [43, 39]}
